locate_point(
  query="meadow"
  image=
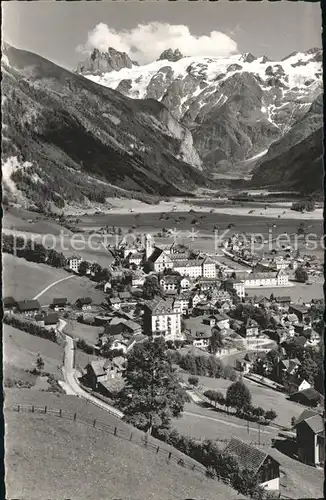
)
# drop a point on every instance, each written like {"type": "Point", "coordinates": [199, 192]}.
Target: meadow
{"type": "Point", "coordinates": [24, 280]}
{"type": "Point", "coordinates": [49, 457]}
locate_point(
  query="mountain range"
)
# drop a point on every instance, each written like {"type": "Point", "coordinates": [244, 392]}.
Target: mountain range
{"type": "Point", "coordinates": [117, 128]}
{"type": "Point", "coordinates": [241, 109]}
{"type": "Point", "coordinates": [68, 139]}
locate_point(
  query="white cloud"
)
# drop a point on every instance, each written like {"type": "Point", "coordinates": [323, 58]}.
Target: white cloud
{"type": "Point", "coordinates": [146, 42]}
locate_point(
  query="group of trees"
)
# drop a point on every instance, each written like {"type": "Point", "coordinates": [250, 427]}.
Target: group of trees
{"type": "Point", "coordinates": [208, 366]}
{"type": "Point", "coordinates": [30, 327]}
{"type": "Point", "coordinates": [301, 275]}
{"type": "Point", "coordinates": [152, 288]}
{"type": "Point", "coordinates": [32, 251]}
{"type": "Point", "coordinates": [238, 397]}
{"type": "Point", "coordinates": [96, 272]}
{"type": "Point", "coordinates": [301, 206]}
{"type": "Point", "coordinates": [243, 312]}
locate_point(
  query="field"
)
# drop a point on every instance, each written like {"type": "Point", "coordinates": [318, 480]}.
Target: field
{"type": "Point", "coordinates": [49, 457]}
{"type": "Point", "coordinates": [20, 352]}
{"type": "Point", "coordinates": [24, 280]}
{"type": "Point", "coordinates": [85, 332]}
{"type": "Point", "coordinates": [261, 396]}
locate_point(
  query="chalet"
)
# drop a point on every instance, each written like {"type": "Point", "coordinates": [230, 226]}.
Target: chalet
{"type": "Point", "coordinates": [84, 303]}
{"type": "Point", "coordinates": [287, 367]}
{"type": "Point", "coordinates": [202, 339]}
{"type": "Point", "coordinates": [135, 258]}
{"type": "Point", "coordinates": [294, 383]}
{"type": "Point", "coordinates": [51, 319]}
{"type": "Point", "coordinates": [9, 304]}
{"type": "Point", "coordinates": [124, 296]}
{"type": "Point", "coordinates": [28, 307]}
{"type": "Point", "coordinates": [115, 303]}
{"type": "Point", "coordinates": [308, 397]}
{"type": "Point", "coordinates": [245, 363]}
{"type": "Point", "coordinates": [115, 367]}
{"type": "Point", "coordinates": [127, 325]}
{"type": "Point", "coordinates": [206, 283]}
{"type": "Point", "coordinates": [185, 282]}
{"type": "Point", "coordinates": [134, 340]}
{"type": "Point", "coordinates": [285, 301]}
{"type": "Point", "coordinates": [250, 329]}
{"type": "Point", "coordinates": [170, 282]}
{"type": "Point", "coordinates": [138, 279]}
{"type": "Point", "coordinates": [59, 304]}
{"type": "Point", "coordinates": [39, 318]}
{"type": "Point", "coordinates": [94, 373]}
{"type": "Point", "coordinates": [197, 298]}
{"type": "Point", "coordinates": [299, 310]}
{"type": "Point", "coordinates": [262, 465]}
{"type": "Point", "coordinates": [310, 430]}
{"type": "Point", "coordinates": [107, 286]}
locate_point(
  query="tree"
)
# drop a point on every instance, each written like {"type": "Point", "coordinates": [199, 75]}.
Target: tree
{"type": "Point", "coordinates": [39, 363]}
{"type": "Point", "coordinates": [270, 415]}
{"type": "Point", "coordinates": [308, 369]}
{"type": "Point", "coordinates": [56, 259]}
{"type": "Point", "coordinates": [216, 341]}
{"type": "Point", "coordinates": [151, 288]}
{"type": "Point", "coordinates": [152, 394]}
{"type": "Point", "coordinates": [258, 411]}
{"type": "Point", "coordinates": [238, 395]}
{"type": "Point", "coordinates": [301, 275]}
{"type": "Point", "coordinates": [192, 380]}
{"type": "Point", "coordinates": [83, 267]}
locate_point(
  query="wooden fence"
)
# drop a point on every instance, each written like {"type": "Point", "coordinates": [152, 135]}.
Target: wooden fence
{"type": "Point", "coordinates": [134, 436]}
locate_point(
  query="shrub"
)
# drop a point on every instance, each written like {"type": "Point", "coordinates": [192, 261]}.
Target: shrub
{"type": "Point", "coordinates": [193, 380]}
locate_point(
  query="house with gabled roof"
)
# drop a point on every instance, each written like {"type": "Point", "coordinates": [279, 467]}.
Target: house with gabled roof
{"type": "Point", "coordinates": [161, 260]}
{"type": "Point", "coordinates": [28, 307]}
{"type": "Point", "coordinates": [250, 329]}
{"type": "Point", "coordinates": [162, 317]}
{"type": "Point", "coordinates": [262, 465]}
{"type": "Point", "coordinates": [84, 303]}
{"type": "Point", "coordinates": [59, 303]}
{"type": "Point", "coordinates": [9, 304]}
{"type": "Point", "coordinates": [310, 430]}
{"type": "Point", "coordinates": [245, 363]}
{"type": "Point", "coordinates": [308, 397]}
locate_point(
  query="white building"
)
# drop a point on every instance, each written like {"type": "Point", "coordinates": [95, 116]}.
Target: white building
{"type": "Point", "coordinates": [185, 283]}
{"type": "Point", "coordinates": [74, 263]}
{"type": "Point", "coordinates": [162, 318]}
{"type": "Point", "coordinates": [190, 268]}
{"type": "Point", "coordinates": [237, 285]}
{"type": "Point", "coordinates": [160, 260]}
{"type": "Point", "coordinates": [209, 269]}
{"type": "Point", "coordinates": [271, 279]}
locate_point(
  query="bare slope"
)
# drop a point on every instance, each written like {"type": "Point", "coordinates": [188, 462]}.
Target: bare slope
{"type": "Point", "coordinates": [51, 457]}
{"type": "Point", "coordinates": [76, 140]}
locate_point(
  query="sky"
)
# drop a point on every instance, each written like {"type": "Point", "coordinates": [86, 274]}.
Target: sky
{"type": "Point", "coordinates": [65, 31]}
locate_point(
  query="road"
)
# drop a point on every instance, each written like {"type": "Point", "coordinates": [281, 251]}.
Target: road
{"type": "Point", "coordinates": [69, 373]}
{"type": "Point", "coordinates": [51, 285]}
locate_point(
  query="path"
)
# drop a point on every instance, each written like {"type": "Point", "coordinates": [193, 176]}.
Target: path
{"type": "Point", "coordinates": [51, 285]}
{"type": "Point", "coordinates": [226, 422]}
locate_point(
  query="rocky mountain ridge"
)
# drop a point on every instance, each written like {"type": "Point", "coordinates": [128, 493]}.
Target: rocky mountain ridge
{"type": "Point", "coordinates": [67, 139]}
{"type": "Point", "coordinates": [235, 106]}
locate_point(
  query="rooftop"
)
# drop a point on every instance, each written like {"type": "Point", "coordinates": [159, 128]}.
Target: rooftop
{"type": "Point", "coordinates": [246, 455]}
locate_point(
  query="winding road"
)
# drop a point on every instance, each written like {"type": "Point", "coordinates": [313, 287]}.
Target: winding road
{"type": "Point", "coordinates": [71, 385]}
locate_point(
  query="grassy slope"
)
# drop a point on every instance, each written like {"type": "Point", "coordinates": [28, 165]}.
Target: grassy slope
{"type": "Point", "coordinates": [23, 280]}
{"type": "Point", "coordinates": [21, 350]}
{"type": "Point", "coordinates": [59, 459]}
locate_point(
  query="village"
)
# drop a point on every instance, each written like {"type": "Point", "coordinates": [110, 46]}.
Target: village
{"type": "Point", "coordinates": [201, 308]}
